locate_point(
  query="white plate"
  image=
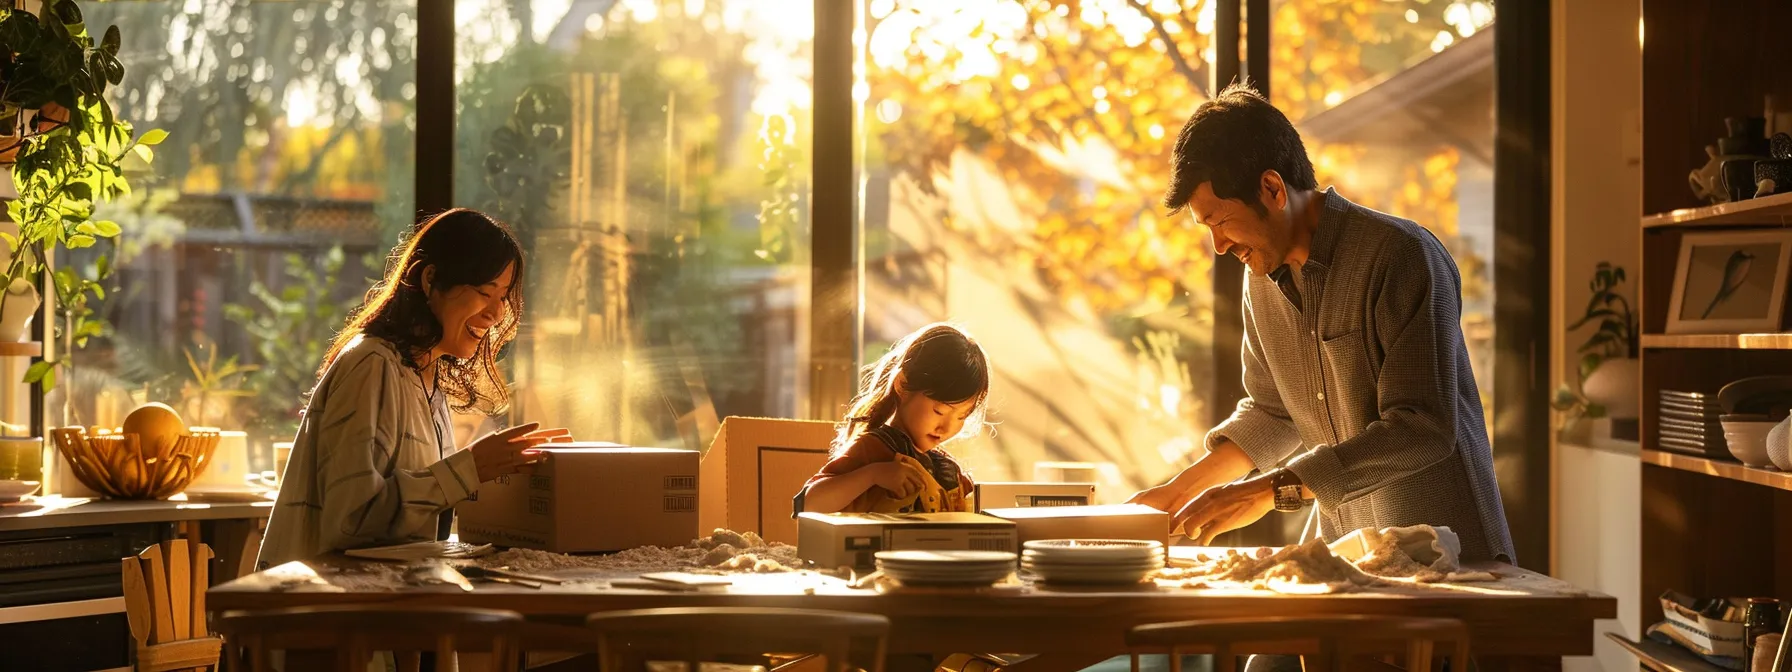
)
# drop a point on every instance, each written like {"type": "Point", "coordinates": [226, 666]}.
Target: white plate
{"type": "Point", "coordinates": [1117, 549]}
{"type": "Point", "coordinates": [12, 491]}
{"type": "Point", "coordinates": [926, 579]}
{"type": "Point", "coordinates": [1147, 562]}
{"type": "Point", "coordinates": [1094, 576]}
{"type": "Point", "coordinates": [945, 557]}
{"type": "Point", "coordinates": [1091, 559]}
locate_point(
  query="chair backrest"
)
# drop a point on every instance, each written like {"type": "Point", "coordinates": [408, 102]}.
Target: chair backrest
{"type": "Point", "coordinates": [164, 596]}
{"type": "Point", "coordinates": [356, 631]}
{"type": "Point", "coordinates": [696, 635]}
{"type": "Point", "coordinates": [1339, 637]}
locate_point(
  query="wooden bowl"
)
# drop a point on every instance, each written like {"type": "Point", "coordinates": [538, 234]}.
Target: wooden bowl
{"type": "Point", "coordinates": [120, 466]}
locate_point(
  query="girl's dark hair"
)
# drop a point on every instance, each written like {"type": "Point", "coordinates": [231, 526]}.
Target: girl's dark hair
{"type": "Point", "coordinates": [939, 360]}
{"type": "Point", "coordinates": [466, 248]}
{"type": "Point", "coordinates": [1231, 141]}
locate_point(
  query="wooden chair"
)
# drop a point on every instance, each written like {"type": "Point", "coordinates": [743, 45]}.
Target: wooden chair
{"type": "Point", "coordinates": [164, 598]}
{"type": "Point", "coordinates": [355, 632]}
{"type": "Point", "coordinates": [1339, 638]}
{"type": "Point", "coordinates": [627, 639]}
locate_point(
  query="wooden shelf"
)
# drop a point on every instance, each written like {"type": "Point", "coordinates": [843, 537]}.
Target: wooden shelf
{"type": "Point", "coordinates": [1734, 471]}
{"type": "Point", "coordinates": [1775, 209]}
{"type": "Point", "coordinates": [25, 349]}
{"type": "Point", "coordinates": [1660, 657]}
{"type": "Point", "coordinates": [1719, 341]}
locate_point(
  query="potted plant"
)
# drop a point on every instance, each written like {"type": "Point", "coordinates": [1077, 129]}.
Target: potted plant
{"type": "Point", "coordinates": [68, 151]}
{"type": "Point", "coordinates": [1610, 374]}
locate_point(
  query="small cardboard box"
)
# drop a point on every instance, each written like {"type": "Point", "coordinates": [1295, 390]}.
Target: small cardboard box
{"type": "Point", "coordinates": [1000, 495]}
{"type": "Point", "coordinates": [588, 497]}
{"type": "Point", "coordinates": [1104, 521]}
{"type": "Point", "coordinates": [853, 539]}
{"type": "Point", "coordinates": [754, 468]}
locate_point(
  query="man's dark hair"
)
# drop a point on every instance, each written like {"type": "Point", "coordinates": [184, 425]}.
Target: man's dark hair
{"type": "Point", "coordinates": [1230, 141]}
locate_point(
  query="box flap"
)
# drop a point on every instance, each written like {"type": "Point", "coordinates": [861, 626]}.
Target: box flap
{"type": "Point", "coordinates": [753, 469]}
{"type": "Point", "coordinates": [1098, 510]}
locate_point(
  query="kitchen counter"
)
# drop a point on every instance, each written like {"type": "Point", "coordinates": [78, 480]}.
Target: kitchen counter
{"type": "Point", "coordinates": [52, 512]}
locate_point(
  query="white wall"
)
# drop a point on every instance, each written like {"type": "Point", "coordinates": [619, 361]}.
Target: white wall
{"type": "Point", "coordinates": [1597, 182]}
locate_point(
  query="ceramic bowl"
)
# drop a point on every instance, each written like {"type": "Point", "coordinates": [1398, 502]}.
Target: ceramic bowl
{"type": "Point", "coordinates": [1748, 439]}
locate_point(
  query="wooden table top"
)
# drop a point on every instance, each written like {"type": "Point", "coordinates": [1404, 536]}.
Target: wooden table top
{"type": "Point", "coordinates": [1521, 614]}
{"type": "Point", "coordinates": [35, 513]}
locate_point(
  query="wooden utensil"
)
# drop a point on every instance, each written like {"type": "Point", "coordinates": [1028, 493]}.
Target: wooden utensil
{"type": "Point", "coordinates": [202, 581]}
{"type": "Point", "coordinates": [136, 601]}
{"type": "Point", "coordinates": [156, 568]}
{"type": "Point", "coordinates": [180, 586]}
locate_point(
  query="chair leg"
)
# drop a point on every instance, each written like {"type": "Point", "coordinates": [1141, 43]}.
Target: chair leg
{"type": "Point", "coordinates": [1418, 655]}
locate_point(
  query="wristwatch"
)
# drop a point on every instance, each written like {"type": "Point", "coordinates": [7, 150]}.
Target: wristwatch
{"type": "Point", "coordinates": [1287, 489]}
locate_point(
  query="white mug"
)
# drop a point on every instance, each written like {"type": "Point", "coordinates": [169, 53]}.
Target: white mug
{"type": "Point", "coordinates": [229, 466]}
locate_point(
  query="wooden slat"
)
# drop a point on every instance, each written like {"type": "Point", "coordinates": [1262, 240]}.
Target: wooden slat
{"type": "Point", "coordinates": [156, 568]}
{"type": "Point", "coordinates": [202, 573]}
{"type": "Point", "coordinates": [183, 654]}
{"type": "Point", "coordinates": [136, 601]}
{"type": "Point", "coordinates": [23, 349]}
{"type": "Point", "coordinates": [1731, 470]}
{"type": "Point", "coordinates": [180, 586]}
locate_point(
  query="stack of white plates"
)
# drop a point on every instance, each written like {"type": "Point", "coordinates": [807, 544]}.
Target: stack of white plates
{"type": "Point", "coordinates": [946, 568]}
{"type": "Point", "coordinates": [1092, 561]}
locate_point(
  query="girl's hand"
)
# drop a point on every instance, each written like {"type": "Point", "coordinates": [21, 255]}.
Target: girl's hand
{"type": "Point", "coordinates": [507, 451]}
{"type": "Point", "coordinates": [902, 480]}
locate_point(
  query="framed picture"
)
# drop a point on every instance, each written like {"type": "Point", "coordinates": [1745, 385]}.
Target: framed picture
{"type": "Point", "coordinates": [1730, 282]}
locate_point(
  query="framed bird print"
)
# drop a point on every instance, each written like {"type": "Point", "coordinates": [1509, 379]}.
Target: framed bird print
{"type": "Point", "coordinates": [1730, 282]}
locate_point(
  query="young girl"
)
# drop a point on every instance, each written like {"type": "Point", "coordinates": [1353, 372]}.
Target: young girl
{"type": "Point", "coordinates": [930, 388]}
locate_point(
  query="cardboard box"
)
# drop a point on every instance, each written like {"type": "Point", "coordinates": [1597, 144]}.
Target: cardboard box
{"type": "Point", "coordinates": [1004, 495]}
{"type": "Point", "coordinates": [1106, 521]}
{"type": "Point", "coordinates": [589, 497]}
{"type": "Point", "coordinates": [754, 468]}
{"type": "Point", "coordinates": [832, 540]}
{"type": "Point", "coordinates": [853, 539]}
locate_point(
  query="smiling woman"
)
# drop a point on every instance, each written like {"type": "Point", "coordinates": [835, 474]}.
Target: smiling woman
{"type": "Point", "coordinates": [374, 461]}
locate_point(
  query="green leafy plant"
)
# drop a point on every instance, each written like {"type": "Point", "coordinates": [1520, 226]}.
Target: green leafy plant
{"type": "Point", "coordinates": [1616, 337]}
{"type": "Point", "coordinates": [291, 329]}
{"type": "Point", "coordinates": [213, 383]}
{"type": "Point", "coordinates": [68, 158]}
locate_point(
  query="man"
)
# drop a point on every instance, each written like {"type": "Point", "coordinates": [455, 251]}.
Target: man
{"type": "Point", "coordinates": [1359, 394]}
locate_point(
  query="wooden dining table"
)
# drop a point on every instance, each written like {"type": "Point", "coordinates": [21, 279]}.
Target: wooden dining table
{"type": "Point", "coordinates": [1521, 621]}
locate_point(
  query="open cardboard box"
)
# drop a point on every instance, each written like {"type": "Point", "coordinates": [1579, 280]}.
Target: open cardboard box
{"type": "Point", "coordinates": [587, 497]}
{"type": "Point", "coordinates": [754, 468]}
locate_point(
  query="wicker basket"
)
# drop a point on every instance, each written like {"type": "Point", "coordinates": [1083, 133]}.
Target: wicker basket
{"type": "Point", "coordinates": [117, 466]}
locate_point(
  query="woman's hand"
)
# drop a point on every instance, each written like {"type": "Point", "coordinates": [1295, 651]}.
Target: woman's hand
{"type": "Point", "coordinates": [507, 451]}
{"type": "Point", "coordinates": [903, 480]}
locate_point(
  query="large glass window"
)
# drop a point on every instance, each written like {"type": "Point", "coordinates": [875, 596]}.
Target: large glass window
{"type": "Point", "coordinates": [1395, 103]}
{"type": "Point", "coordinates": [288, 165]}
{"type": "Point", "coordinates": [653, 156]}
{"type": "Point", "coordinates": [1015, 155]}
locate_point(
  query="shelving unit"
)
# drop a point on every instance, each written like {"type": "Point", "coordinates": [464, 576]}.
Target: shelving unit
{"type": "Point", "coordinates": [1709, 527]}
{"type": "Point", "coordinates": [24, 349]}
{"type": "Point", "coordinates": [1718, 341]}
{"type": "Point", "coordinates": [1721, 469]}
{"type": "Point", "coordinates": [1658, 657]}
{"type": "Point", "coordinates": [1768, 210]}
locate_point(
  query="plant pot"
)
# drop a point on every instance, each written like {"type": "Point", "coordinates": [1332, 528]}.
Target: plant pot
{"type": "Point", "coordinates": [1615, 385]}
{"type": "Point", "coordinates": [16, 310]}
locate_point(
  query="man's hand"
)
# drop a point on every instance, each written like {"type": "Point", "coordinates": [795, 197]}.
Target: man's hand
{"type": "Point", "coordinates": [1224, 508]}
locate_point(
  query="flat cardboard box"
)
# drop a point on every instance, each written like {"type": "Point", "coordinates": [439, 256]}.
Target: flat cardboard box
{"type": "Point", "coordinates": [754, 468]}
{"type": "Point", "coordinates": [1004, 495]}
{"type": "Point", "coordinates": [853, 539]}
{"type": "Point", "coordinates": [1104, 521]}
{"type": "Point", "coordinates": [588, 497]}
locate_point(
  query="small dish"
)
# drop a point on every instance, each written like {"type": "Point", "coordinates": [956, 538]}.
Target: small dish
{"type": "Point", "coordinates": [13, 491]}
{"type": "Point", "coordinates": [1747, 440]}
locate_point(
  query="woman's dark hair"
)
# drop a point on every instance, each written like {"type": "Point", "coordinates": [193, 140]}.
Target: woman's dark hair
{"type": "Point", "coordinates": [1231, 141]}
{"type": "Point", "coordinates": [939, 360]}
{"type": "Point", "coordinates": [466, 248]}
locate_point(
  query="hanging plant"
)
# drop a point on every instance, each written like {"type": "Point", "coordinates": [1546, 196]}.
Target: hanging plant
{"type": "Point", "coordinates": [68, 157]}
